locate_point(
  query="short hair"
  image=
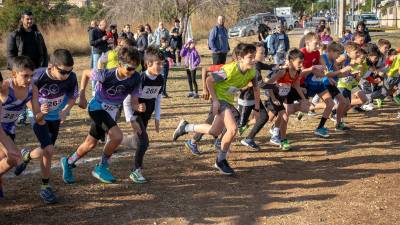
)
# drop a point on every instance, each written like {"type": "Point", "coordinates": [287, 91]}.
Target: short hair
{"type": "Point", "coordinates": [128, 54]}
{"type": "Point", "coordinates": [372, 50]}
{"type": "Point", "coordinates": [392, 51]}
{"type": "Point", "coordinates": [61, 57]}
{"type": "Point", "coordinates": [335, 47]}
{"type": "Point", "coordinates": [360, 23]}
{"type": "Point", "coordinates": [382, 42]}
{"type": "Point", "coordinates": [362, 52]}
{"type": "Point", "coordinates": [113, 26]}
{"type": "Point", "coordinates": [153, 54]}
{"type": "Point", "coordinates": [26, 13]}
{"type": "Point", "coordinates": [128, 41]}
{"type": "Point", "coordinates": [177, 20]}
{"type": "Point", "coordinates": [295, 53]}
{"type": "Point", "coordinates": [127, 25]}
{"type": "Point", "coordinates": [237, 49]}
{"type": "Point", "coordinates": [351, 46]}
{"type": "Point", "coordinates": [21, 63]}
{"type": "Point", "coordinates": [311, 36]}
{"type": "Point", "coordinates": [246, 49]}
{"type": "Point", "coordinates": [141, 28]}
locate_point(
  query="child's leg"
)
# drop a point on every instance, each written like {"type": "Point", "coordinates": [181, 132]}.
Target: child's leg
{"type": "Point", "coordinates": [174, 55]}
{"type": "Point", "coordinates": [231, 129]}
{"type": "Point", "coordinates": [260, 122]}
{"type": "Point", "coordinates": [194, 81]}
{"type": "Point", "coordinates": [284, 119]}
{"type": "Point", "coordinates": [189, 78]}
{"type": "Point", "coordinates": [359, 98]}
{"type": "Point", "coordinates": [142, 145]}
{"type": "Point", "coordinates": [9, 155]}
{"type": "Point", "coordinates": [245, 112]}
{"type": "Point", "coordinates": [179, 55]}
{"type": "Point", "coordinates": [343, 105]}
{"type": "Point", "coordinates": [329, 104]}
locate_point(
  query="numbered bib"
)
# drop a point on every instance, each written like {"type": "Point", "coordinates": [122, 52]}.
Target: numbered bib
{"type": "Point", "coordinates": [112, 110]}
{"type": "Point", "coordinates": [9, 116]}
{"type": "Point", "coordinates": [150, 92]}
{"type": "Point", "coordinates": [284, 89]}
{"type": "Point", "coordinates": [348, 79]}
{"type": "Point", "coordinates": [54, 103]}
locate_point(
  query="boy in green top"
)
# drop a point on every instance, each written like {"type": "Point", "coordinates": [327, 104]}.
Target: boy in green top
{"type": "Point", "coordinates": [222, 86]}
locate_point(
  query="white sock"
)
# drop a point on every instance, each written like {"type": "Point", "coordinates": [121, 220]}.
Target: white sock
{"type": "Point", "coordinates": [189, 128]}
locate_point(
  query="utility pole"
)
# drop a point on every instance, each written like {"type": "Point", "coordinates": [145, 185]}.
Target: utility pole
{"type": "Point", "coordinates": [342, 13]}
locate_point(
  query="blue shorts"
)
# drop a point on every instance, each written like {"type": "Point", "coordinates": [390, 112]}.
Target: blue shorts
{"type": "Point", "coordinates": [346, 93]}
{"type": "Point", "coordinates": [314, 86]}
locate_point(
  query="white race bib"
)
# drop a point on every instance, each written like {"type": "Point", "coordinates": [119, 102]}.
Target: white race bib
{"type": "Point", "coordinates": [112, 110]}
{"type": "Point", "coordinates": [150, 92]}
{"type": "Point", "coordinates": [284, 89]}
{"type": "Point", "coordinates": [9, 116]}
{"type": "Point", "coordinates": [348, 79]}
{"type": "Point", "coordinates": [53, 104]}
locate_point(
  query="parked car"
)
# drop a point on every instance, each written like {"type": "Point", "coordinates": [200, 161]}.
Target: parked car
{"type": "Point", "coordinates": [248, 26]}
{"type": "Point", "coordinates": [370, 20]}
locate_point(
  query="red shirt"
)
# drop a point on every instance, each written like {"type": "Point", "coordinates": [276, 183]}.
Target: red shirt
{"type": "Point", "coordinates": [310, 58]}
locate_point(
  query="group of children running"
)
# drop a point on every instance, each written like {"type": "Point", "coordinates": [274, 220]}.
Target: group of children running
{"type": "Point", "coordinates": [338, 79]}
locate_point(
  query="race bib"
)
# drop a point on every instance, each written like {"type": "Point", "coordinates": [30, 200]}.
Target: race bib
{"type": "Point", "coordinates": [54, 103]}
{"type": "Point", "coordinates": [9, 116]}
{"type": "Point", "coordinates": [112, 110]}
{"type": "Point", "coordinates": [233, 90]}
{"type": "Point", "coordinates": [284, 89]}
{"type": "Point", "coordinates": [150, 92]}
{"type": "Point", "coordinates": [348, 79]}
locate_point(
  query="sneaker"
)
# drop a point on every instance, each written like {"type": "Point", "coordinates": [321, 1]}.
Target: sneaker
{"type": "Point", "coordinates": [322, 132]}
{"type": "Point", "coordinates": [102, 173]}
{"type": "Point", "coordinates": [190, 95]}
{"type": "Point", "coordinates": [192, 147]}
{"type": "Point", "coordinates": [379, 103]}
{"type": "Point", "coordinates": [224, 167]}
{"type": "Point", "coordinates": [180, 130]}
{"type": "Point", "coordinates": [26, 159]}
{"type": "Point", "coordinates": [397, 99]}
{"type": "Point", "coordinates": [312, 113]}
{"type": "Point", "coordinates": [196, 96]}
{"type": "Point", "coordinates": [243, 129]}
{"type": "Point", "coordinates": [67, 175]}
{"type": "Point", "coordinates": [333, 117]}
{"type": "Point", "coordinates": [137, 177]}
{"type": "Point", "coordinates": [217, 144]}
{"type": "Point", "coordinates": [47, 194]}
{"type": "Point", "coordinates": [250, 143]}
{"type": "Point", "coordinates": [285, 146]}
{"type": "Point", "coordinates": [275, 140]}
{"type": "Point", "coordinates": [368, 107]}
{"type": "Point", "coordinates": [358, 109]}
{"type": "Point", "coordinates": [341, 127]}
{"type": "Point", "coordinates": [300, 115]}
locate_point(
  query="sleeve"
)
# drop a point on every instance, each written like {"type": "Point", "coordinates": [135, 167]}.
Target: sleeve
{"type": "Point", "coordinates": [93, 40]}
{"type": "Point", "coordinates": [219, 76]}
{"type": "Point", "coordinates": [136, 91]}
{"type": "Point", "coordinates": [128, 111]}
{"type": "Point", "coordinates": [98, 75]}
{"type": "Point", "coordinates": [158, 107]}
{"type": "Point", "coordinates": [211, 39]}
{"type": "Point", "coordinates": [198, 59]}
{"type": "Point", "coordinates": [12, 50]}
{"type": "Point", "coordinates": [73, 91]}
{"type": "Point", "coordinates": [184, 51]}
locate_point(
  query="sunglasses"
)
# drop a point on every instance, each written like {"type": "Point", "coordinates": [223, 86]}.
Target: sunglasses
{"type": "Point", "coordinates": [64, 72]}
{"type": "Point", "coordinates": [129, 67]}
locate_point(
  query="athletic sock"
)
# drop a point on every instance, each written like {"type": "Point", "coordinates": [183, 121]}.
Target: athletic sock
{"type": "Point", "coordinates": [221, 155]}
{"type": "Point", "coordinates": [72, 159]}
{"type": "Point", "coordinates": [322, 123]}
{"type": "Point", "coordinates": [189, 128]}
{"type": "Point", "coordinates": [104, 159]}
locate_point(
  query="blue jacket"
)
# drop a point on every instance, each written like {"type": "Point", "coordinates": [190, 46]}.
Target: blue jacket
{"type": "Point", "coordinates": [218, 40]}
{"type": "Point", "coordinates": [273, 43]}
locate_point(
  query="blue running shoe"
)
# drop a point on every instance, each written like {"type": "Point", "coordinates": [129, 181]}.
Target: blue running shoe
{"type": "Point", "coordinates": [322, 132]}
{"type": "Point", "coordinates": [47, 194]}
{"type": "Point", "coordinates": [67, 175]}
{"type": "Point", "coordinates": [250, 143]}
{"type": "Point", "coordinates": [224, 167]}
{"type": "Point", "coordinates": [102, 173]}
{"type": "Point", "coordinates": [192, 147]}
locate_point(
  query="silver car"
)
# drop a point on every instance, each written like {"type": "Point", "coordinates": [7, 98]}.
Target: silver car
{"type": "Point", "coordinates": [249, 25]}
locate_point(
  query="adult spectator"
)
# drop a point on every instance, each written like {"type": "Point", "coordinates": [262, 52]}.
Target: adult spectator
{"type": "Point", "coordinates": [127, 34]}
{"type": "Point", "coordinates": [93, 25]}
{"type": "Point", "coordinates": [27, 41]}
{"type": "Point", "coordinates": [320, 27]}
{"type": "Point", "coordinates": [263, 30]}
{"type": "Point", "coordinates": [161, 32]}
{"type": "Point", "coordinates": [112, 34]}
{"type": "Point", "coordinates": [142, 44]}
{"type": "Point", "coordinates": [279, 45]}
{"type": "Point", "coordinates": [218, 42]}
{"type": "Point", "coordinates": [362, 28]}
{"type": "Point", "coordinates": [150, 35]}
{"type": "Point", "coordinates": [176, 42]}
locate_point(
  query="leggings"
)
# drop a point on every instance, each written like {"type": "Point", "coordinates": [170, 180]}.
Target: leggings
{"type": "Point", "coordinates": [191, 76]}
{"type": "Point", "coordinates": [142, 142]}
{"type": "Point", "coordinates": [245, 112]}
{"type": "Point", "coordinates": [175, 52]}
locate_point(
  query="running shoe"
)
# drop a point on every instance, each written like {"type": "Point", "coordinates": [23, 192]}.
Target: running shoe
{"type": "Point", "coordinates": [190, 95]}
{"type": "Point", "coordinates": [26, 159]}
{"type": "Point", "coordinates": [322, 132]}
{"type": "Point", "coordinates": [368, 107]}
{"type": "Point", "coordinates": [250, 143]}
{"type": "Point", "coordinates": [341, 127]}
{"type": "Point", "coordinates": [192, 147]}
{"type": "Point", "coordinates": [243, 129]}
{"type": "Point", "coordinates": [67, 175]}
{"type": "Point", "coordinates": [358, 109]}
{"type": "Point", "coordinates": [102, 173]}
{"type": "Point", "coordinates": [196, 96]}
{"type": "Point", "coordinates": [285, 146]}
{"type": "Point", "coordinates": [137, 177]}
{"type": "Point", "coordinates": [180, 130]}
{"type": "Point", "coordinates": [300, 115]}
{"type": "Point", "coordinates": [333, 117]}
{"type": "Point", "coordinates": [47, 194]}
{"type": "Point", "coordinates": [275, 140]}
{"type": "Point", "coordinates": [312, 113]}
{"type": "Point", "coordinates": [223, 167]}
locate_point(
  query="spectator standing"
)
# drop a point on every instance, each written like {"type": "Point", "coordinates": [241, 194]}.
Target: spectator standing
{"type": "Point", "coordinates": [218, 42]}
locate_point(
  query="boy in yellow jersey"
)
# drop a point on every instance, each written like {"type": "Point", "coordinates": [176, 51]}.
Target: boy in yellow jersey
{"type": "Point", "coordinates": [223, 86]}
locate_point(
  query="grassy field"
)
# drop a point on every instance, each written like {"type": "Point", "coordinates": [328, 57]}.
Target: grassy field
{"type": "Point", "coordinates": [350, 178]}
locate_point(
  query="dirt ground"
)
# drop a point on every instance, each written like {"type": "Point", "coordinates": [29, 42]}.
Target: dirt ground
{"type": "Point", "coordinates": [350, 178]}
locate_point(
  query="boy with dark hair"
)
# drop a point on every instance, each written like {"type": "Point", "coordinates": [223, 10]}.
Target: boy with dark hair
{"type": "Point", "coordinates": [222, 87]}
{"type": "Point", "coordinates": [150, 101]}
{"type": "Point", "coordinates": [112, 87]}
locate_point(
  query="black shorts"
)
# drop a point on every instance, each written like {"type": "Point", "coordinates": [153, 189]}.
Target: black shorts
{"type": "Point", "coordinates": [333, 90]}
{"type": "Point", "coordinates": [47, 134]}
{"type": "Point", "coordinates": [275, 109]}
{"type": "Point", "coordinates": [223, 105]}
{"type": "Point", "coordinates": [102, 122]}
{"type": "Point", "coordinates": [292, 96]}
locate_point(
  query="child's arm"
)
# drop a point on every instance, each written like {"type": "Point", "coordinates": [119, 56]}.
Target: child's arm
{"type": "Point", "coordinates": [215, 103]}
{"type": "Point", "coordinates": [204, 74]}
{"type": "Point", "coordinates": [271, 81]}
{"type": "Point", "coordinates": [296, 85]}
{"type": "Point", "coordinates": [82, 92]}
{"type": "Point", "coordinates": [157, 112]}
{"type": "Point", "coordinates": [256, 92]}
{"type": "Point", "coordinates": [4, 91]}
{"type": "Point", "coordinates": [39, 111]}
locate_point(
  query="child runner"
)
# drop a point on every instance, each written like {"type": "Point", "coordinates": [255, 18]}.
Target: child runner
{"type": "Point", "coordinates": [150, 100]}
{"type": "Point", "coordinates": [222, 87]}
{"type": "Point", "coordinates": [58, 89]}
{"type": "Point", "coordinates": [192, 61]}
{"type": "Point", "coordinates": [112, 87]}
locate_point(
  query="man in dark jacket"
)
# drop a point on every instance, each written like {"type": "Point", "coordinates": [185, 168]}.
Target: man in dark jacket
{"type": "Point", "coordinates": [127, 34]}
{"type": "Point", "coordinates": [27, 41]}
